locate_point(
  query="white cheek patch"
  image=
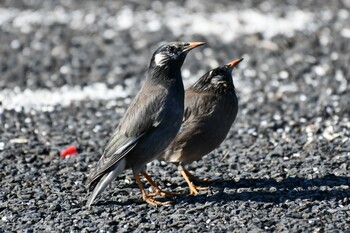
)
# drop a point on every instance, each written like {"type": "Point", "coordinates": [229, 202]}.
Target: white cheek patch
{"type": "Point", "coordinates": [217, 81]}
{"type": "Point", "coordinates": [160, 59]}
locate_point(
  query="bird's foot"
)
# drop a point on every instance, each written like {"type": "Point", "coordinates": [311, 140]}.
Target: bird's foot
{"type": "Point", "coordinates": [194, 190]}
{"type": "Point", "coordinates": [154, 202]}
{"type": "Point", "coordinates": [197, 179]}
{"type": "Point", "coordinates": [163, 193]}
{"type": "Point", "coordinates": [158, 191]}
{"type": "Point", "coordinates": [146, 197]}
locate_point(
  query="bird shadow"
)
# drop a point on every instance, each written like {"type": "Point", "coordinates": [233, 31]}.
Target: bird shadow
{"type": "Point", "coordinates": [265, 190]}
{"type": "Point", "coordinates": [269, 190]}
{"type": "Point", "coordinates": [330, 180]}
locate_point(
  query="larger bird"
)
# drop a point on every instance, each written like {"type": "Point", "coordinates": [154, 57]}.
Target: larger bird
{"type": "Point", "coordinates": [150, 123]}
{"type": "Point", "coordinates": [211, 107]}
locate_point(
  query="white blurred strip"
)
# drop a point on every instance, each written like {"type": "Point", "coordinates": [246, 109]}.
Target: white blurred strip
{"type": "Point", "coordinates": [44, 98]}
{"type": "Point", "coordinates": [230, 24]}
{"type": "Point", "coordinates": [227, 24]}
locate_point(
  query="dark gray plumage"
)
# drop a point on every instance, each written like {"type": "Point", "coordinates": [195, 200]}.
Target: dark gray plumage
{"type": "Point", "coordinates": [150, 123]}
{"type": "Point", "coordinates": [211, 107]}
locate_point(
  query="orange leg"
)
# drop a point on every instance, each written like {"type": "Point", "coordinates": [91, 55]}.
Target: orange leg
{"type": "Point", "coordinates": [145, 196]}
{"type": "Point", "coordinates": [158, 191]}
{"type": "Point", "coordinates": [194, 190]}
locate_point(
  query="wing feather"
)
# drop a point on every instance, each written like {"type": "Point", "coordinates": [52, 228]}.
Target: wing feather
{"type": "Point", "coordinates": [143, 114]}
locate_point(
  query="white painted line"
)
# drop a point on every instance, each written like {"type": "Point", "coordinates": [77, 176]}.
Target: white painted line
{"type": "Point", "coordinates": [44, 98]}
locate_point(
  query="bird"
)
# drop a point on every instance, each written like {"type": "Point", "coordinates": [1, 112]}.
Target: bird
{"type": "Point", "coordinates": [149, 125]}
{"type": "Point", "coordinates": [211, 107]}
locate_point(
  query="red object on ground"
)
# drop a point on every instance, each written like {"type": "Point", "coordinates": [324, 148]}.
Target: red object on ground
{"type": "Point", "coordinates": [69, 151]}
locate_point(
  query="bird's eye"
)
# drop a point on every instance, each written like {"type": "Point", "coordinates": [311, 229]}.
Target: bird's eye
{"type": "Point", "coordinates": [171, 49]}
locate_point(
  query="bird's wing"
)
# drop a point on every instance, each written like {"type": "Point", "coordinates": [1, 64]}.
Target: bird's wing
{"type": "Point", "coordinates": [142, 116]}
{"type": "Point", "coordinates": [197, 108]}
{"type": "Point", "coordinates": [116, 149]}
{"type": "Point", "coordinates": [146, 111]}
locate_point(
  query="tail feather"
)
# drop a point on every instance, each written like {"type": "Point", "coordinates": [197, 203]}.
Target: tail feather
{"type": "Point", "coordinates": [106, 180]}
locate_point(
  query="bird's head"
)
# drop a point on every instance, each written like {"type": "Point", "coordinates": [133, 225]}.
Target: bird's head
{"type": "Point", "coordinates": [173, 53]}
{"type": "Point", "coordinates": [217, 79]}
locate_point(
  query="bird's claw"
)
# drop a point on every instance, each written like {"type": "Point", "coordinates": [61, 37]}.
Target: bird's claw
{"type": "Point", "coordinates": [194, 190]}
{"type": "Point", "coordinates": [154, 202]}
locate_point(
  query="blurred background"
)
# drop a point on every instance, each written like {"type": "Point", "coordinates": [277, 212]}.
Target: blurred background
{"type": "Point", "coordinates": [54, 44]}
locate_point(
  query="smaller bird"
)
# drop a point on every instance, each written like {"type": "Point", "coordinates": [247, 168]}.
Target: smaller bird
{"type": "Point", "coordinates": [211, 107]}
{"type": "Point", "coordinates": [149, 125]}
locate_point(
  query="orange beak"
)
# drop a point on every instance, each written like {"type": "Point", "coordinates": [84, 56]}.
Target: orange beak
{"type": "Point", "coordinates": [234, 63]}
{"type": "Point", "coordinates": [192, 45]}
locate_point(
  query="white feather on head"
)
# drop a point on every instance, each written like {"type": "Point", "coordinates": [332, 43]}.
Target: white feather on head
{"type": "Point", "coordinates": [160, 59]}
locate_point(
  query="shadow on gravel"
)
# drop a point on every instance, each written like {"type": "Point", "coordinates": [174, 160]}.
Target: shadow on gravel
{"type": "Point", "coordinates": [100, 203]}
{"type": "Point", "coordinates": [291, 188]}
{"type": "Point", "coordinates": [290, 182]}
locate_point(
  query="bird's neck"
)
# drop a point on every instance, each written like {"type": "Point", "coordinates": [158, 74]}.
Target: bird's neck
{"type": "Point", "coordinates": [165, 73]}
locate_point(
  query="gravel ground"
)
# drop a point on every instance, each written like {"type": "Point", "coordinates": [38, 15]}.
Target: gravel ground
{"type": "Point", "coordinates": [69, 69]}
